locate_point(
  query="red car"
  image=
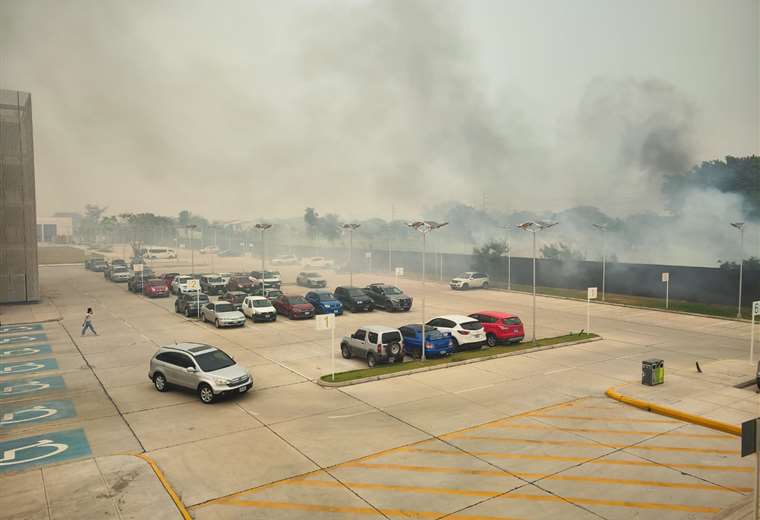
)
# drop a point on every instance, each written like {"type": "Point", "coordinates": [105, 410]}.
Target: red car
{"type": "Point", "coordinates": [294, 307]}
{"type": "Point", "coordinates": [500, 327]}
{"type": "Point", "coordinates": [155, 288]}
{"type": "Point", "coordinates": [167, 278]}
{"type": "Point", "coordinates": [240, 282]}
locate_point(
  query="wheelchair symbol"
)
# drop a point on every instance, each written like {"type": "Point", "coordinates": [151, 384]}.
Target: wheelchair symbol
{"type": "Point", "coordinates": [23, 367]}
{"type": "Point", "coordinates": [19, 339]}
{"type": "Point", "coordinates": [26, 351]}
{"type": "Point", "coordinates": [38, 412]}
{"type": "Point", "coordinates": [33, 386]}
{"type": "Point", "coordinates": [9, 457]}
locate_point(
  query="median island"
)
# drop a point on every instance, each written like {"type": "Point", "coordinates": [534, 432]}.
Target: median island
{"type": "Point", "coordinates": [466, 356]}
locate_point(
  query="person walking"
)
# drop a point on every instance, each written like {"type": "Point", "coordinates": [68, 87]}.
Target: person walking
{"type": "Point", "coordinates": [88, 322]}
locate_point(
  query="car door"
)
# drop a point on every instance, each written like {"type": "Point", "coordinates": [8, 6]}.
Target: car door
{"type": "Point", "coordinates": [186, 379]}
{"type": "Point", "coordinates": [172, 367]}
{"type": "Point", "coordinates": [313, 299]}
{"type": "Point", "coordinates": [357, 342]}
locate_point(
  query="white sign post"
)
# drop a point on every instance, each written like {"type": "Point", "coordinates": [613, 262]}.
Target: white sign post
{"type": "Point", "coordinates": [666, 281]}
{"type": "Point", "coordinates": [590, 295]}
{"type": "Point", "coordinates": [399, 272]}
{"type": "Point", "coordinates": [327, 322]}
{"type": "Point", "coordinates": [755, 312]}
{"type": "Point", "coordinates": [194, 285]}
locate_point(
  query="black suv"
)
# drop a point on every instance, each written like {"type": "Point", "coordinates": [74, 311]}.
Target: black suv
{"type": "Point", "coordinates": [212, 284]}
{"type": "Point", "coordinates": [388, 297]}
{"type": "Point", "coordinates": [190, 303]}
{"type": "Point", "coordinates": [353, 299]}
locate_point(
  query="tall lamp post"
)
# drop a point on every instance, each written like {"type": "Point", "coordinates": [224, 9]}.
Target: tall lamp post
{"type": "Point", "coordinates": [190, 232]}
{"type": "Point", "coordinates": [740, 227]}
{"type": "Point", "coordinates": [535, 227]}
{"type": "Point", "coordinates": [350, 229]}
{"type": "Point", "coordinates": [262, 227]}
{"type": "Point", "coordinates": [424, 227]}
{"type": "Point", "coordinates": [508, 247]}
{"type": "Point", "coordinates": [603, 229]}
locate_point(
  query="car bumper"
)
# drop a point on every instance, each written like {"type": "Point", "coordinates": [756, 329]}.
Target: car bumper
{"type": "Point", "coordinates": [456, 286]}
{"type": "Point", "coordinates": [270, 316]}
{"type": "Point", "coordinates": [362, 308]}
{"type": "Point", "coordinates": [232, 323]}
{"type": "Point", "coordinates": [301, 315]}
{"type": "Point", "coordinates": [224, 389]}
{"type": "Point", "coordinates": [471, 344]}
{"type": "Point", "coordinates": [316, 285]}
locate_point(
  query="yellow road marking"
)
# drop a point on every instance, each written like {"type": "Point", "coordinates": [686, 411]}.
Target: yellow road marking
{"type": "Point", "coordinates": [184, 513]}
{"type": "Point", "coordinates": [501, 455]}
{"type": "Point", "coordinates": [521, 474]}
{"type": "Point", "coordinates": [594, 444]}
{"type": "Point", "coordinates": [509, 496]}
{"type": "Point", "coordinates": [604, 430]}
{"type": "Point", "coordinates": [296, 506]}
{"type": "Point", "coordinates": [606, 419]}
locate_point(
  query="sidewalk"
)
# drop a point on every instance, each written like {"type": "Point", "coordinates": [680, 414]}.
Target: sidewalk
{"type": "Point", "coordinates": [45, 310]}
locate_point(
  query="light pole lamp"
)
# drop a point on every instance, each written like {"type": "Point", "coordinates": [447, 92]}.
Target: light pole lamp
{"type": "Point", "coordinates": [262, 227]}
{"type": "Point", "coordinates": [190, 232]}
{"type": "Point", "coordinates": [740, 227]}
{"type": "Point", "coordinates": [535, 227]}
{"type": "Point", "coordinates": [424, 227]}
{"type": "Point", "coordinates": [508, 248]}
{"type": "Point", "coordinates": [603, 229]}
{"type": "Point", "coordinates": [350, 228]}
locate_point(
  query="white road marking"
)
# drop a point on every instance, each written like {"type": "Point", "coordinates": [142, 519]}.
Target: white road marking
{"type": "Point", "coordinates": [351, 415]}
{"type": "Point", "coordinates": [474, 388]}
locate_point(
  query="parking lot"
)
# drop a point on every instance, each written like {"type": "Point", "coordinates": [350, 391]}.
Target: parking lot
{"type": "Point", "coordinates": [529, 436]}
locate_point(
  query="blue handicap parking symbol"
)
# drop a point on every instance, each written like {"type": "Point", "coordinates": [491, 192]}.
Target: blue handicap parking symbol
{"type": "Point", "coordinates": [27, 367]}
{"type": "Point", "coordinates": [10, 352]}
{"type": "Point", "coordinates": [29, 452]}
{"type": "Point", "coordinates": [37, 412]}
{"type": "Point", "coordinates": [26, 338]}
{"type": "Point", "coordinates": [18, 387]}
{"type": "Point", "coordinates": [10, 329]}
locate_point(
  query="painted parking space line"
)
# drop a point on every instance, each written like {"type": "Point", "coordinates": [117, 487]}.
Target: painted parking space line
{"type": "Point", "coordinates": [15, 388]}
{"type": "Point", "coordinates": [605, 430]}
{"type": "Point", "coordinates": [28, 367]}
{"type": "Point", "coordinates": [11, 352]}
{"type": "Point", "coordinates": [30, 452]}
{"type": "Point", "coordinates": [39, 412]}
{"type": "Point", "coordinates": [12, 329]}
{"type": "Point", "coordinates": [25, 338]}
{"type": "Point", "coordinates": [610, 419]}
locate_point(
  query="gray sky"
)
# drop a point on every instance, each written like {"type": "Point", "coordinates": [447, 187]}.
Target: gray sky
{"type": "Point", "coordinates": [247, 109]}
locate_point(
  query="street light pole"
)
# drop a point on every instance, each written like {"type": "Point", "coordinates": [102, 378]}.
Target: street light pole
{"type": "Point", "coordinates": [740, 227]}
{"type": "Point", "coordinates": [508, 247]}
{"type": "Point", "coordinates": [603, 229]}
{"type": "Point", "coordinates": [262, 227]}
{"type": "Point", "coordinates": [424, 227]}
{"type": "Point", "coordinates": [535, 227]}
{"type": "Point", "coordinates": [350, 228]}
{"type": "Point", "coordinates": [190, 231]}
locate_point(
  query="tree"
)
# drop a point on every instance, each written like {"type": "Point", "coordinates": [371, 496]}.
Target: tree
{"type": "Point", "coordinates": [488, 255]}
{"type": "Point", "coordinates": [750, 264]}
{"type": "Point", "coordinates": [561, 251]}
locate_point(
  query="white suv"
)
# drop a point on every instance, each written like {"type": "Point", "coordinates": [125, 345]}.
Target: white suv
{"type": "Point", "coordinates": [465, 332]}
{"type": "Point", "coordinates": [259, 308]}
{"type": "Point", "coordinates": [470, 280]}
{"type": "Point", "coordinates": [317, 262]}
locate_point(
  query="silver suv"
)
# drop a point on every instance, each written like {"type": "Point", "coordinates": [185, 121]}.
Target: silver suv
{"type": "Point", "coordinates": [376, 343]}
{"type": "Point", "coordinates": [203, 368]}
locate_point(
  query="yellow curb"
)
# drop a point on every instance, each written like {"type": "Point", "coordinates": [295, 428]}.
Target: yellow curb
{"type": "Point", "coordinates": [675, 414]}
{"type": "Point", "coordinates": [168, 487]}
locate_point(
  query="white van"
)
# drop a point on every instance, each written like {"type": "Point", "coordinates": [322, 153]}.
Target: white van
{"type": "Point", "coordinates": [159, 253]}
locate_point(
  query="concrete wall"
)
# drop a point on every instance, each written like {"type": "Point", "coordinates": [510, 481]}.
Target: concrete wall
{"type": "Point", "coordinates": [19, 281]}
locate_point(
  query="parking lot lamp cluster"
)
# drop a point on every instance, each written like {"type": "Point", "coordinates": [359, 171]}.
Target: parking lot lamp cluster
{"type": "Point", "coordinates": [535, 227]}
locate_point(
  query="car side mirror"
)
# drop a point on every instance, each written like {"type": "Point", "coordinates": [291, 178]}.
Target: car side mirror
{"type": "Point", "coordinates": [190, 370]}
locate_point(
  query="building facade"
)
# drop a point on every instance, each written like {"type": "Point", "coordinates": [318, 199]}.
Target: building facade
{"type": "Point", "coordinates": [19, 279]}
{"type": "Point", "coordinates": [59, 230]}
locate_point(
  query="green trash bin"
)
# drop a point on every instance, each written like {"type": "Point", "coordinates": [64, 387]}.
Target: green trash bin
{"type": "Point", "coordinates": [652, 372]}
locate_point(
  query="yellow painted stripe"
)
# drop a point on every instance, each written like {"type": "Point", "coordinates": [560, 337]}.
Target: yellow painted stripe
{"type": "Point", "coordinates": [594, 444]}
{"type": "Point", "coordinates": [604, 430]}
{"type": "Point", "coordinates": [318, 508]}
{"type": "Point", "coordinates": [605, 419]}
{"type": "Point", "coordinates": [168, 487]}
{"type": "Point", "coordinates": [509, 496]}
{"type": "Point", "coordinates": [522, 474]}
{"type": "Point", "coordinates": [501, 455]}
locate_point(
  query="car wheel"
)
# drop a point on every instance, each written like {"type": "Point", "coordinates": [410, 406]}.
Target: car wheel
{"type": "Point", "coordinates": [485, 285]}
{"type": "Point", "coordinates": [187, 312]}
{"type": "Point", "coordinates": [490, 340]}
{"type": "Point", "coordinates": [216, 323]}
{"type": "Point", "coordinates": [399, 358]}
{"type": "Point", "coordinates": [388, 307]}
{"type": "Point", "coordinates": [371, 361]}
{"type": "Point", "coordinates": [466, 286]}
{"type": "Point", "coordinates": [290, 315]}
{"type": "Point", "coordinates": [206, 394]}
{"type": "Point", "coordinates": [394, 349]}
{"type": "Point", "coordinates": [345, 350]}
{"type": "Point", "coordinates": [454, 344]}
{"type": "Point", "coordinates": [159, 381]}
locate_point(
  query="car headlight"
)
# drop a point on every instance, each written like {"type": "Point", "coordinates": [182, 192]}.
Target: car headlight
{"type": "Point", "coordinates": [220, 381]}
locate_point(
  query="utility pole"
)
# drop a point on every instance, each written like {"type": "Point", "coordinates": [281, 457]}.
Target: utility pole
{"type": "Point", "coordinates": [535, 227]}
{"type": "Point", "coordinates": [740, 227]}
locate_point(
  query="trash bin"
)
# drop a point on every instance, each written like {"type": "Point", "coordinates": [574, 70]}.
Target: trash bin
{"type": "Point", "coordinates": [652, 372]}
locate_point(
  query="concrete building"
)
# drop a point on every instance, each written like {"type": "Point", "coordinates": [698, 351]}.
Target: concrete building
{"type": "Point", "coordinates": [19, 280]}
{"type": "Point", "coordinates": [55, 229]}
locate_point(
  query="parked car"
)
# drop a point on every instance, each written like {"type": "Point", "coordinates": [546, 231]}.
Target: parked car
{"type": "Point", "coordinates": [269, 294]}
{"type": "Point", "coordinates": [98, 265]}
{"type": "Point", "coordinates": [119, 273]}
{"type": "Point", "coordinates": [271, 279]}
{"type": "Point", "coordinates": [240, 282]}
{"type": "Point", "coordinates": [209, 250]}
{"type": "Point", "coordinates": [500, 327]}
{"type": "Point", "coordinates": [167, 278]}
{"type": "Point", "coordinates": [222, 314]}
{"type": "Point", "coordinates": [159, 253]}
{"type": "Point", "coordinates": [324, 302]}
{"type": "Point", "coordinates": [285, 260]}
{"type": "Point", "coordinates": [179, 284]}
{"type": "Point", "coordinates": [310, 279]}
{"type": "Point", "coordinates": [202, 368]}
{"type": "Point", "coordinates": [235, 298]}
{"type": "Point", "coordinates": [212, 284]}
{"type": "Point", "coordinates": [354, 299]}
{"type": "Point", "coordinates": [317, 262]}
{"type": "Point", "coordinates": [375, 343]}
{"type": "Point", "coordinates": [470, 280]}
{"type": "Point", "coordinates": [189, 303]}
{"type": "Point", "coordinates": [437, 343]}
{"type": "Point", "coordinates": [229, 252]}
{"type": "Point", "coordinates": [119, 261]}
{"type": "Point", "coordinates": [136, 283]}
{"type": "Point", "coordinates": [259, 308]}
{"type": "Point", "coordinates": [466, 333]}
{"type": "Point", "coordinates": [155, 288]}
{"type": "Point", "coordinates": [90, 263]}
{"type": "Point", "coordinates": [225, 277]}
{"type": "Point", "coordinates": [388, 297]}
{"type": "Point", "coordinates": [293, 307]}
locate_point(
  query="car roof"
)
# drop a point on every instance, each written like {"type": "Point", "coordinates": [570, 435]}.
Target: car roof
{"type": "Point", "coordinates": [455, 317]}
{"type": "Point", "coordinates": [190, 348]}
{"type": "Point", "coordinates": [497, 314]}
{"type": "Point", "coordinates": [236, 292]}
{"type": "Point", "coordinates": [378, 328]}
{"type": "Point", "coordinates": [254, 297]}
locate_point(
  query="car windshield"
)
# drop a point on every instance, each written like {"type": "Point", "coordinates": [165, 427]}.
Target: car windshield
{"type": "Point", "coordinates": [215, 360]}
{"type": "Point", "coordinates": [392, 290]}
{"type": "Point", "coordinates": [464, 275]}
{"type": "Point", "coordinates": [213, 279]}
{"type": "Point", "coordinates": [325, 297]}
{"type": "Point", "coordinates": [119, 269]}
{"type": "Point", "coordinates": [274, 294]}
{"type": "Point", "coordinates": [512, 321]}
{"type": "Point", "coordinates": [295, 300]}
{"type": "Point", "coordinates": [262, 303]}
{"type": "Point", "coordinates": [471, 325]}
{"type": "Point", "coordinates": [224, 307]}
{"type": "Point", "coordinates": [242, 279]}
{"type": "Point", "coordinates": [155, 282]}
{"type": "Point", "coordinates": [269, 274]}
{"type": "Point", "coordinates": [183, 279]}
{"type": "Point", "coordinates": [234, 298]}
{"type": "Point", "coordinates": [313, 275]}
{"type": "Point", "coordinates": [356, 292]}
